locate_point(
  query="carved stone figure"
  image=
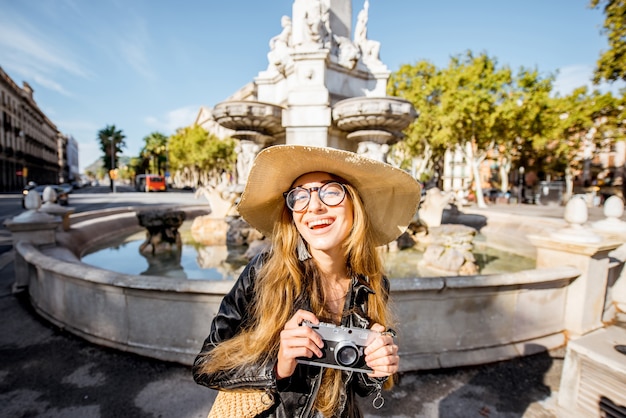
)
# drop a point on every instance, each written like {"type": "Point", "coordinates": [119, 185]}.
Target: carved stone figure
{"type": "Point", "coordinates": [161, 231]}
{"type": "Point", "coordinates": [431, 211]}
{"type": "Point", "coordinates": [347, 52]}
{"type": "Point", "coordinates": [317, 22]}
{"type": "Point", "coordinates": [246, 151]}
{"type": "Point", "coordinates": [370, 50]}
{"type": "Point", "coordinates": [373, 150]}
{"type": "Point", "coordinates": [281, 47]}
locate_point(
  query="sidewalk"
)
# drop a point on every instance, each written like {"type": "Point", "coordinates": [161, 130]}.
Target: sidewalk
{"type": "Point", "coordinates": [47, 372]}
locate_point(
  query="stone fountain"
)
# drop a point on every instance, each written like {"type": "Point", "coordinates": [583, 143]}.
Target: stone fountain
{"type": "Point", "coordinates": [325, 85]}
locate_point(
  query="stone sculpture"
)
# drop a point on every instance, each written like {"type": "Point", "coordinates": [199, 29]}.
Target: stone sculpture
{"type": "Point", "coordinates": [613, 210]}
{"type": "Point", "coordinates": [317, 23]}
{"type": "Point", "coordinates": [161, 231]}
{"type": "Point", "coordinates": [281, 48]}
{"type": "Point", "coordinates": [431, 210]}
{"type": "Point", "coordinates": [576, 215]}
{"type": "Point", "coordinates": [370, 50]}
{"type": "Point", "coordinates": [448, 251]}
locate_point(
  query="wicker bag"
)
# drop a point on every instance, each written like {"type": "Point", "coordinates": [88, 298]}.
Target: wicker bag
{"type": "Point", "coordinates": [240, 404]}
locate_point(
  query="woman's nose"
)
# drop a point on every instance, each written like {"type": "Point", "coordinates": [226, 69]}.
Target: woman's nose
{"type": "Point", "coordinates": [315, 203]}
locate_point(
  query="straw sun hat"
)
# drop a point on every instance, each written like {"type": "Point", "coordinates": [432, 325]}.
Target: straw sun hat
{"type": "Point", "coordinates": [390, 195]}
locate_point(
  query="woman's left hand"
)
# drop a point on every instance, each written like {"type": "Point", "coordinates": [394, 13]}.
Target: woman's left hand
{"type": "Point", "coordinates": [382, 354]}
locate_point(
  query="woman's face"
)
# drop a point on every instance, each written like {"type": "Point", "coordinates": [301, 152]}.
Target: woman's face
{"type": "Point", "coordinates": [324, 228]}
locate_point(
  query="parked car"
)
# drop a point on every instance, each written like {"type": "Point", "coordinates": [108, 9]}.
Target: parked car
{"type": "Point", "coordinates": [67, 187]}
{"type": "Point", "coordinates": [62, 194]}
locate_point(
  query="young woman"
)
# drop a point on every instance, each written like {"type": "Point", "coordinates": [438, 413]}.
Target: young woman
{"type": "Point", "coordinates": [326, 211]}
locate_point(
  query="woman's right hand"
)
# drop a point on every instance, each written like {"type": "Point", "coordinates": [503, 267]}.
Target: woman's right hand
{"type": "Point", "coordinates": [297, 341]}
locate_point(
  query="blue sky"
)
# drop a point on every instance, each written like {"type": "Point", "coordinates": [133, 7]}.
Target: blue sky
{"type": "Point", "coordinates": [148, 66]}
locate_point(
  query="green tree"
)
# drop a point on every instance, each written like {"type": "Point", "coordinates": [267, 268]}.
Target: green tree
{"type": "Point", "coordinates": [587, 121]}
{"type": "Point", "coordinates": [612, 63]}
{"type": "Point", "coordinates": [523, 118]}
{"type": "Point", "coordinates": [111, 143]}
{"type": "Point", "coordinates": [154, 153]}
{"type": "Point", "coordinates": [473, 87]}
{"type": "Point", "coordinates": [198, 158]}
{"type": "Point", "coordinates": [421, 85]}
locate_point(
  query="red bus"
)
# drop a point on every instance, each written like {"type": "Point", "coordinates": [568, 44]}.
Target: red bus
{"type": "Point", "coordinates": [150, 183]}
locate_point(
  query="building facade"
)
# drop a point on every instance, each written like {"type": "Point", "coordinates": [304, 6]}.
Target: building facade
{"type": "Point", "coordinates": [31, 148]}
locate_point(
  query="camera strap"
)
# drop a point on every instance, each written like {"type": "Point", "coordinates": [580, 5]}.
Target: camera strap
{"type": "Point", "coordinates": [378, 401]}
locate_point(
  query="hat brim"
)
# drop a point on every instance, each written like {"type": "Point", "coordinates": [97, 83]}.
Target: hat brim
{"type": "Point", "coordinates": [390, 195]}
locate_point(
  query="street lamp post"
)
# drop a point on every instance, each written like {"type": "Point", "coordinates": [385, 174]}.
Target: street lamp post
{"type": "Point", "coordinates": [112, 173]}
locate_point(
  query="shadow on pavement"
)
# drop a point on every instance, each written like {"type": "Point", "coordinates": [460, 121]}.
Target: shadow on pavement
{"type": "Point", "coordinates": [504, 389]}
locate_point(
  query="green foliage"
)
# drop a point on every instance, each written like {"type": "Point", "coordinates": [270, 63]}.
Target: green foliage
{"type": "Point", "coordinates": [474, 101]}
{"type": "Point", "coordinates": [194, 148]}
{"type": "Point", "coordinates": [473, 87]}
{"type": "Point", "coordinates": [612, 63]}
{"type": "Point", "coordinates": [153, 154]}
{"type": "Point", "coordinates": [421, 85]}
{"type": "Point", "coordinates": [111, 143]}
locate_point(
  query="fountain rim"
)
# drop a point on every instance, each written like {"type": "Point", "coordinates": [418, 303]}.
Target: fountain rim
{"type": "Point", "coordinates": [168, 318]}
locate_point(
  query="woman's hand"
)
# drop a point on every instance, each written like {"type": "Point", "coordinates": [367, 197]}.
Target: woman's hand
{"type": "Point", "coordinates": [297, 341]}
{"type": "Point", "coordinates": [382, 354]}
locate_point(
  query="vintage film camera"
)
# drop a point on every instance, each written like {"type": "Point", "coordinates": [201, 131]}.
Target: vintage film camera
{"type": "Point", "coordinates": [343, 347]}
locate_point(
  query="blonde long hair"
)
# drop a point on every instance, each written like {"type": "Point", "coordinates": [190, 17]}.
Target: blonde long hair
{"type": "Point", "coordinates": [282, 281]}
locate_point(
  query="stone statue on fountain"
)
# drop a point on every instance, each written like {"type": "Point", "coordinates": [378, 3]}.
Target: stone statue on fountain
{"type": "Point", "coordinates": [281, 47]}
{"type": "Point", "coordinates": [370, 50]}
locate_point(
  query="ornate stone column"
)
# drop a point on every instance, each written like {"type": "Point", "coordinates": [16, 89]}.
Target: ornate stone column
{"type": "Point", "coordinates": [256, 125]}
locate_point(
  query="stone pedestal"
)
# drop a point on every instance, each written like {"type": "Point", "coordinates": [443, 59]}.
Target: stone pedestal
{"type": "Point", "coordinates": [33, 227]}
{"type": "Point", "coordinates": [586, 295]}
{"type": "Point", "coordinates": [594, 376]}
{"type": "Point", "coordinates": [55, 209]}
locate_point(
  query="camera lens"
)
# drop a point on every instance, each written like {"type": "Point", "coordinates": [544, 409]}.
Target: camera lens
{"type": "Point", "coordinates": [346, 354]}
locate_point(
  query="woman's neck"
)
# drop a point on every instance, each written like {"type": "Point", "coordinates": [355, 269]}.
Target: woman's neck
{"type": "Point", "coordinates": [335, 282]}
{"type": "Point", "coordinates": [334, 268]}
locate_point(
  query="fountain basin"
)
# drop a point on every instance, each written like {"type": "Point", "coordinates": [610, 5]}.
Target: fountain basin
{"type": "Point", "coordinates": [250, 116]}
{"type": "Point", "coordinates": [442, 322]}
{"type": "Point", "coordinates": [389, 114]}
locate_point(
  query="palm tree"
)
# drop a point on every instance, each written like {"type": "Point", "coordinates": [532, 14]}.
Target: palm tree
{"type": "Point", "coordinates": [154, 152]}
{"type": "Point", "coordinates": [111, 142]}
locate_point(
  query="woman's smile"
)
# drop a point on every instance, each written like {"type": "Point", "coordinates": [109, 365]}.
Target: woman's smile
{"type": "Point", "coordinates": [319, 223]}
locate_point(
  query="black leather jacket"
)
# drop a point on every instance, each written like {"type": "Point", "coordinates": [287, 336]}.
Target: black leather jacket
{"type": "Point", "coordinates": [293, 396]}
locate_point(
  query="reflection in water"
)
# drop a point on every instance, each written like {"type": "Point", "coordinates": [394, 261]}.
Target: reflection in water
{"type": "Point", "coordinates": [125, 258]}
{"type": "Point", "coordinates": [198, 262]}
